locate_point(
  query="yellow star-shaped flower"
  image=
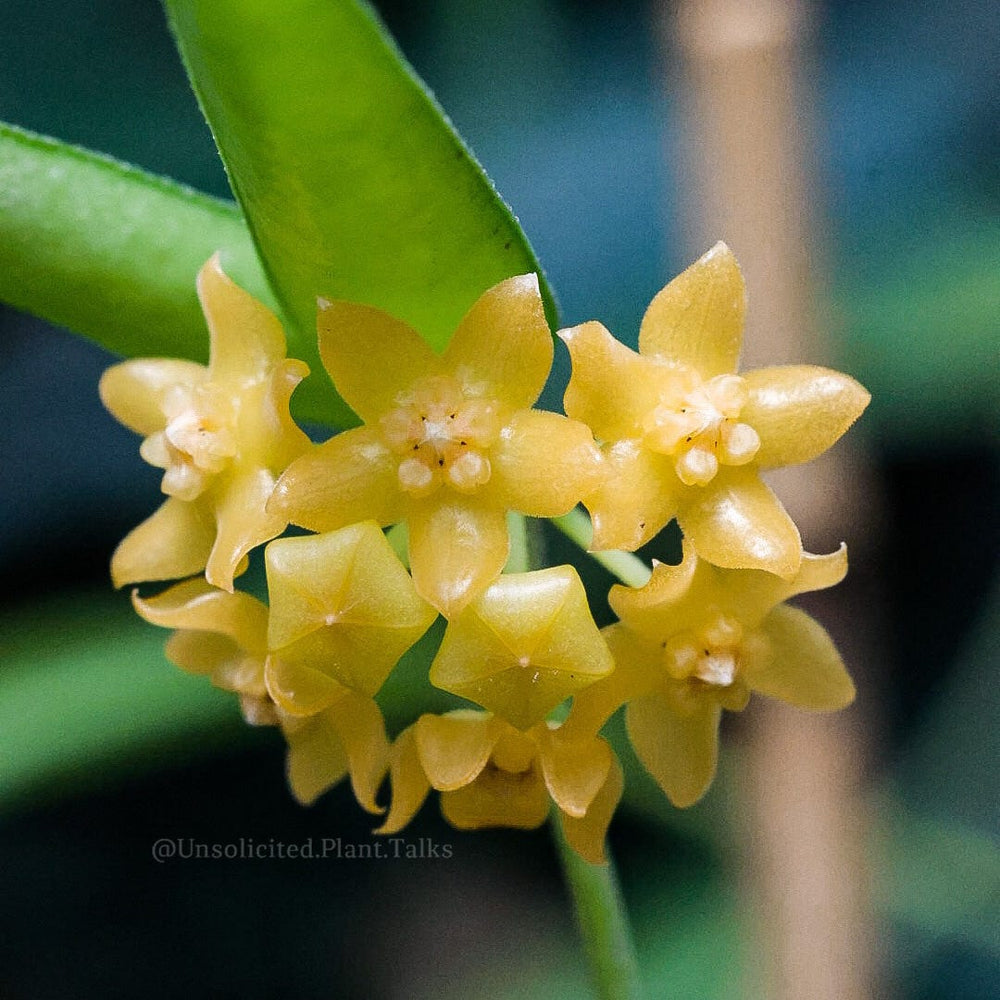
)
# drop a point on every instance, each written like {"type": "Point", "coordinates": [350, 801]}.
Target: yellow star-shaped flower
{"type": "Point", "coordinates": [491, 774]}
{"type": "Point", "coordinates": [449, 442]}
{"type": "Point", "coordinates": [343, 611]}
{"type": "Point", "coordinates": [685, 435]}
{"type": "Point", "coordinates": [523, 646]}
{"type": "Point", "coordinates": [222, 435]}
{"type": "Point", "coordinates": [224, 636]}
{"type": "Point", "coordinates": [697, 639]}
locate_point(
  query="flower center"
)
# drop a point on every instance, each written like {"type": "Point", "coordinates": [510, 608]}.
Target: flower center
{"type": "Point", "coordinates": [699, 426]}
{"type": "Point", "coordinates": [442, 433]}
{"type": "Point", "coordinates": [198, 442]}
{"type": "Point", "coordinates": [709, 660]}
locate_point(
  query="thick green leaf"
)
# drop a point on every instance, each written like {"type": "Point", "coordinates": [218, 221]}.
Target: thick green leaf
{"type": "Point", "coordinates": [86, 696]}
{"type": "Point", "coordinates": [111, 252]}
{"type": "Point", "coordinates": [354, 184]}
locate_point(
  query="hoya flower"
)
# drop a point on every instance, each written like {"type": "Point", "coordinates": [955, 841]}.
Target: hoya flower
{"type": "Point", "coordinates": [449, 442]}
{"type": "Point", "coordinates": [685, 436]}
{"type": "Point", "coordinates": [697, 639]}
{"type": "Point", "coordinates": [523, 646]}
{"type": "Point", "coordinates": [224, 636]}
{"type": "Point", "coordinates": [343, 611]}
{"type": "Point", "coordinates": [491, 774]}
{"type": "Point", "coordinates": [222, 434]}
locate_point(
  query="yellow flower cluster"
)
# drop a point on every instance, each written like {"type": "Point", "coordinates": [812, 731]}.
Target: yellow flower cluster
{"type": "Point", "coordinates": [449, 445]}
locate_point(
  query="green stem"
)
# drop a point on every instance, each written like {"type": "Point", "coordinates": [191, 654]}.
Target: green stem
{"type": "Point", "coordinates": [629, 568]}
{"type": "Point", "coordinates": [519, 559]}
{"type": "Point", "coordinates": [603, 923]}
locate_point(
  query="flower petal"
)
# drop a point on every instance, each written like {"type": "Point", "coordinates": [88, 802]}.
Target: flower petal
{"type": "Point", "coordinates": [316, 757]}
{"type": "Point", "coordinates": [697, 320]}
{"type": "Point", "coordinates": [342, 604]}
{"type": "Point", "coordinates": [574, 771]}
{"type": "Point", "coordinates": [612, 388]}
{"type": "Point", "coordinates": [679, 751]}
{"type": "Point", "coordinates": [586, 835]}
{"type": "Point", "coordinates": [799, 411]}
{"type": "Point", "coordinates": [361, 730]}
{"type": "Point", "coordinates": [543, 464]}
{"type": "Point", "coordinates": [455, 747]}
{"type": "Point", "coordinates": [246, 337]}
{"type": "Point", "coordinates": [523, 646]}
{"type": "Point", "coordinates": [737, 522]}
{"type": "Point", "coordinates": [195, 604]}
{"type": "Point", "coordinates": [498, 798]}
{"type": "Point", "coordinates": [203, 653]}
{"type": "Point", "coordinates": [504, 341]}
{"type": "Point", "coordinates": [639, 495]}
{"type": "Point", "coordinates": [751, 594]}
{"type": "Point", "coordinates": [298, 689]}
{"type": "Point", "coordinates": [409, 783]}
{"type": "Point", "coordinates": [242, 523]}
{"type": "Point", "coordinates": [352, 477]}
{"type": "Point", "coordinates": [636, 673]}
{"type": "Point", "coordinates": [800, 665]}
{"type": "Point", "coordinates": [457, 548]}
{"type": "Point", "coordinates": [663, 605]}
{"type": "Point", "coordinates": [371, 356]}
{"type": "Point", "coordinates": [134, 390]}
{"type": "Point", "coordinates": [172, 543]}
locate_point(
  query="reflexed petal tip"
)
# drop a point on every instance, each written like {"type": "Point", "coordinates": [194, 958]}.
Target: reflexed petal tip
{"type": "Point", "coordinates": [246, 337]}
{"type": "Point", "coordinates": [173, 543]}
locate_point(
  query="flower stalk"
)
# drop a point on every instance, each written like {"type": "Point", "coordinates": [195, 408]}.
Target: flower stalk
{"type": "Point", "coordinates": [602, 921]}
{"type": "Point", "coordinates": [624, 566]}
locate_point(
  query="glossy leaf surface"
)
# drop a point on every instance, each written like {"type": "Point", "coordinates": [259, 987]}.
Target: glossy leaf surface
{"type": "Point", "coordinates": [354, 184]}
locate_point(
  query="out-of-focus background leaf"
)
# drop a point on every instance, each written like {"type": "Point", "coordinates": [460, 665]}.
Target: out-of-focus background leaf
{"type": "Point", "coordinates": [109, 747]}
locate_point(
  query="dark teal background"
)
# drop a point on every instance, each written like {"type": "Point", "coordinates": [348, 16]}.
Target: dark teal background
{"type": "Point", "coordinates": [564, 105]}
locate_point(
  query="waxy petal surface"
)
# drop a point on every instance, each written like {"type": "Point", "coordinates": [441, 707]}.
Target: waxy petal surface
{"type": "Point", "coordinates": [246, 337]}
{"type": "Point", "coordinates": [174, 542]}
{"type": "Point", "coordinates": [523, 646]}
{"type": "Point", "coordinates": [611, 388]}
{"type": "Point", "coordinates": [457, 547]}
{"type": "Point", "coordinates": [738, 523]}
{"type": "Point", "coordinates": [799, 411]}
{"type": "Point", "coordinates": [454, 748]}
{"type": "Point", "coordinates": [504, 342]}
{"type": "Point", "coordinates": [544, 463]}
{"type": "Point", "coordinates": [370, 356]}
{"type": "Point", "coordinates": [639, 495]}
{"type": "Point", "coordinates": [586, 834]}
{"type": "Point", "coordinates": [195, 604]}
{"type": "Point", "coordinates": [801, 665]}
{"type": "Point", "coordinates": [350, 478]}
{"type": "Point", "coordinates": [679, 751]}
{"type": "Point", "coordinates": [697, 320]}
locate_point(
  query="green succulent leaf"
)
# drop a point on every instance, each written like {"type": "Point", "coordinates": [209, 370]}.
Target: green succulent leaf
{"type": "Point", "coordinates": [354, 184]}
{"type": "Point", "coordinates": [111, 253]}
